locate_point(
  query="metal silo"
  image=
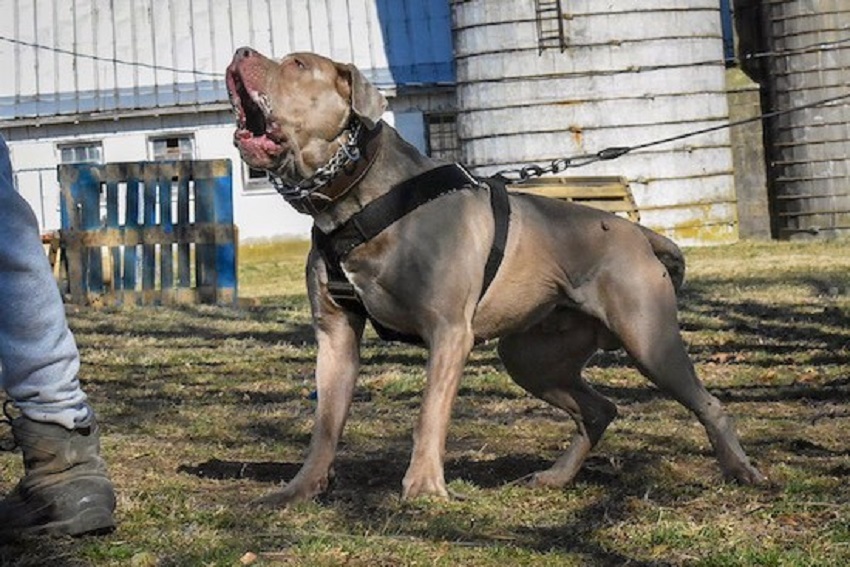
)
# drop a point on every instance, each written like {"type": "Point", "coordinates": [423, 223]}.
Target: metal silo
{"type": "Point", "coordinates": [544, 79]}
{"type": "Point", "coordinates": [808, 60]}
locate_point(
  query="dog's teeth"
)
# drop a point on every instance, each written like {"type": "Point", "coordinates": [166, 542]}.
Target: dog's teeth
{"type": "Point", "coordinates": [264, 103]}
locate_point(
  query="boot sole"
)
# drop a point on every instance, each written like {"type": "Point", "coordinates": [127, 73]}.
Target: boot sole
{"type": "Point", "coordinates": [94, 521]}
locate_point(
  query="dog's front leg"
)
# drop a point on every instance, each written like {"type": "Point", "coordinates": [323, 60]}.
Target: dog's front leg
{"type": "Point", "coordinates": [447, 356]}
{"type": "Point", "coordinates": [338, 333]}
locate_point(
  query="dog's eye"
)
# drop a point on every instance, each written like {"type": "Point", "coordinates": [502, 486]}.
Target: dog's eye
{"type": "Point", "coordinates": [300, 64]}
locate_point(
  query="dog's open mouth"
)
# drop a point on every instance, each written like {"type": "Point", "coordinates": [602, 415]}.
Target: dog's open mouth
{"type": "Point", "coordinates": [258, 136]}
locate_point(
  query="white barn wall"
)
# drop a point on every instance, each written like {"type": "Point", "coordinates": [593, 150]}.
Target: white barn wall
{"type": "Point", "coordinates": [260, 213]}
{"type": "Point", "coordinates": [52, 98]}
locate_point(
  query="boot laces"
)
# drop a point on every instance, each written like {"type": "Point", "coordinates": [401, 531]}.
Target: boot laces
{"type": "Point", "coordinates": [8, 445]}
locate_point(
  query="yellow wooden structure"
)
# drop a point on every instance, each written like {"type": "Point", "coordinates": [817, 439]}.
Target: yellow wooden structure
{"type": "Point", "coordinates": [609, 193]}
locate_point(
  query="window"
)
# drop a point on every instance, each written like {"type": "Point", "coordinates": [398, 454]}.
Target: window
{"type": "Point", "coordinates": [173, 147]}
{"type": "Point", "coordinates": [257, 174]}
{"type": "Point", "coordinates": [443, 141]}
{"type": "Point", "coordinates": [550, 16]}
{"type": "Point", "coordinates": [87, 152]}
{"type": "Point", "coordinates": [256, 179]}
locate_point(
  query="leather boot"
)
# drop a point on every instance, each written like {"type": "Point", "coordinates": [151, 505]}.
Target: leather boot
{"type": "Point", "coordinates": [65, 489]}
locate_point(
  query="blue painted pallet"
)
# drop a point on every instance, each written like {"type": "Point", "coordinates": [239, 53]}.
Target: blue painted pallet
{"type": "Point", "coordinates": [149, 232]}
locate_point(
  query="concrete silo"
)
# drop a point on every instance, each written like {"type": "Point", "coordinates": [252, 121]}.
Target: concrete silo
{"type": "Point", "coordinates": [545, 79]}
{"type": "Point", "coordinates": [807, 59]}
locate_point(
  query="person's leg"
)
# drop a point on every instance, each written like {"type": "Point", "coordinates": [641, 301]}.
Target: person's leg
{"type": "Point", "coordinates": [37, 350]}
{"type": "Point", "coordinates": [65, 489]}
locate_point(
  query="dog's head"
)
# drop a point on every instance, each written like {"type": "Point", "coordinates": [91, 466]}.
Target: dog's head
{"type": "Point", "coordinates": [291, 115]}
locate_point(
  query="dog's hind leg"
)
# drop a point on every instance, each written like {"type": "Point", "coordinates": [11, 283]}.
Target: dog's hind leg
{"type": "Point", "coordinates": [639, 307]}
{"type": "Point", "coordinates": [547, 360]}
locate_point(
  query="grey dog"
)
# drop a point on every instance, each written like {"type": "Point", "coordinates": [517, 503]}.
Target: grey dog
{"type": "Point", "coordinates": [571, 280]}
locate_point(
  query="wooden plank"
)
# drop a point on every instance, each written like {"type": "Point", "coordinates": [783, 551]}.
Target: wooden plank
{"type": "Point", "coordinates": [80, 208]}
{"type": "Point", "coordinates": [88, 202]}
{"type": "Point", "coordinates": [605, 192]}
{"type": "Point", "coordinates": [150, 297]}
{"type": "Point", "coordinates": [205, 252]}
{"type": "Point", "coordinates": [225, 248]}
{"type": "Point", "coordinates": [567, 192]}
{"type": "Point", "coordinates": [183, 248]}
{"type": "Point", "coordinates": [166, 257]}
{"type": "Point", "coordinates": [149, 248]}
{"type": "Point", "coordinates": [112, 222]}
{"type": "Point", "coordinates": [130, 223]}
{"type": "Point", "coordinates": [202, 233]}
{"type": "Point", "coordinates": [74, 255]}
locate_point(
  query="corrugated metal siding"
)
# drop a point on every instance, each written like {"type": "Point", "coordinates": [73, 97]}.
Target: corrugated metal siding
{"type": "Point", "coordinates": [109, 55]}
{"type": "Point", "coordinates": [631, 72]}
{"type": "Point", "coordinates": [809, 61]}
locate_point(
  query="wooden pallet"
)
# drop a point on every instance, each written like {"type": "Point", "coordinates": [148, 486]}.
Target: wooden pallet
{"type": "Point", "coordinates": [167, 236]}
{"type": "Point", "coordinates": [609, 193]}
{"type": "Point", "coordinates": [53, 249]}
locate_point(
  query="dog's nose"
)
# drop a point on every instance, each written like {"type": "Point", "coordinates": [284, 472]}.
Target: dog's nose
{"type": "Point", "coordinates": [244, 53]}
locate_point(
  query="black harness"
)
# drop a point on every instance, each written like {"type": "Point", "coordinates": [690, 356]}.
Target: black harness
{"type": "Point", "coordinates": [382, 212]}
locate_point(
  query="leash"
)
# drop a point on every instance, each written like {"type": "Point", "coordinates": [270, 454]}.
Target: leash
{"type": "Point", "coordinates": [561, 164]}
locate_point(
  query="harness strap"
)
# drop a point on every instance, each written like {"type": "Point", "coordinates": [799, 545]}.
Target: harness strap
{"type": "Point", "coordinates": [401, 200]}
{"type": "Point", "coordinates": [341, 290]}
{"type": "Point", "coordinates": [502, 216]}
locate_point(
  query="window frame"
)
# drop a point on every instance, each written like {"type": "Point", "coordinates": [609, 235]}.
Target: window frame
{"type": "Point", "coordinates": [179, 136]}
{"type": "Point", "coordinates": [450, 151]}
{"type": "Point", "coordinates": [77, 145]}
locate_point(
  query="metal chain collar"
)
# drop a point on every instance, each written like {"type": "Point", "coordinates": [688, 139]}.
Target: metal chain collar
{"type": "Point", "coordinates": [348, 153]}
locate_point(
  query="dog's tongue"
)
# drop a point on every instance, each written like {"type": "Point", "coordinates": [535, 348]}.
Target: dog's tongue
{"type": "Point", "coordinates": [259, 146]}
{"type": "Point", "coordinates": [264, 143]}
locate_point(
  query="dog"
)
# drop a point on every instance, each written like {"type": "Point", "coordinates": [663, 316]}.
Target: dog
{"type": "Point", "coordinates": [570, 280]}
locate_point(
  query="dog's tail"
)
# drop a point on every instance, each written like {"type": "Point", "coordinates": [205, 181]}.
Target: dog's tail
{"type": "Point", "coordinates": [669, 254]}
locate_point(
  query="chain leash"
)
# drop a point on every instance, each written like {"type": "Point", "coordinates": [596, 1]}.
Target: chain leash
{"type": "Point", "coordinates": [558, 165]}
{"type": "Point", "coordinates": [518, 175]}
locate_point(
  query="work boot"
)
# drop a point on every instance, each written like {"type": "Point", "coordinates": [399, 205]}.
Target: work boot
{"type": "Point", "coordinates": [65, 489]}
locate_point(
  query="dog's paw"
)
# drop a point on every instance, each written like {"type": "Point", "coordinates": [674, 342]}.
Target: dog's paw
{"type": "Point", "coordinates": [542, 479]}
{"type": "Point", "coordinates": [276, 499]}
{"type": "Point", "coordinates": [292, 493]}
{"type": "Point", "coordinates": [421, 486]}
{"type": "Point", "coordinates": [282, 498]}
{"type": "Point", "coordinates": [747, 475]}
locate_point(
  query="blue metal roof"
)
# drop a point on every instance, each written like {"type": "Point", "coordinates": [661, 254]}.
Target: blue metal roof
{"type": "Point", "coordinates": [409, 43]}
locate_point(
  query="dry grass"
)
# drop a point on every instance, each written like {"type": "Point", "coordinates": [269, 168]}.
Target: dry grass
{"type": "Point", "coordinates": [206, 408]}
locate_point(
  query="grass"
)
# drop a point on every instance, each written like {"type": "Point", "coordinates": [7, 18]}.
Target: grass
{"type": "Point", "coordinates": [206, 408]}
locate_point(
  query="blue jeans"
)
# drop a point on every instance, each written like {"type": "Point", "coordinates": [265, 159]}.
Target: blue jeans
{"type": "Point", "coordinates": [38, 353]}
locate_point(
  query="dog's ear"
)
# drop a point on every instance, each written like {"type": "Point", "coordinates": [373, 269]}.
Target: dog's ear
{"type": "Point", "coordinates": [367, 102]}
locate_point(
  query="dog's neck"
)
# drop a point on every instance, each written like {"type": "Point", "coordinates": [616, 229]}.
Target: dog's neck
{"type": "Point", "coordinates": [338, 176]}
{"type": "Point", "coordinates": [394, 158]}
